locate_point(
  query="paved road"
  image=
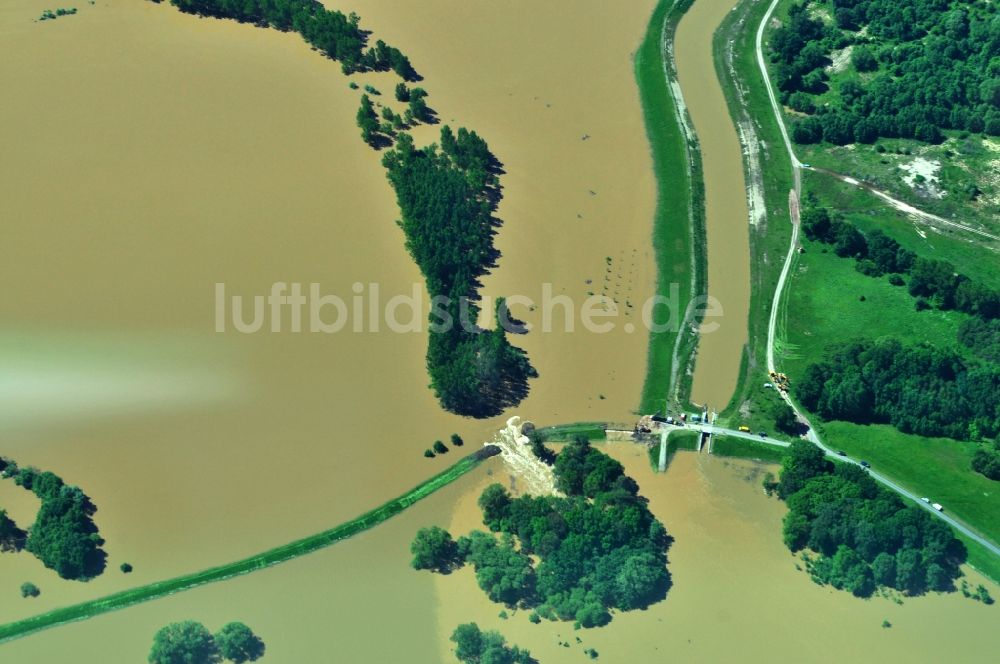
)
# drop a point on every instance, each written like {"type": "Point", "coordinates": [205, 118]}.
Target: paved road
{"type": "Point", "coordinates": [793, 200]}
{"type": "Point", "coordinates": [884, 480]}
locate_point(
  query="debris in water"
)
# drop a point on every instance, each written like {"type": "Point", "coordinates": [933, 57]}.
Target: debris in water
{"type": "Point", "coordinates": [535, 477]}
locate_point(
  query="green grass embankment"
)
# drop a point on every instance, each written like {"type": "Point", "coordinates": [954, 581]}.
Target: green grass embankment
{"type": "Point", "coordinates": [678, 224]}
{"type": "Point", "coordinates": [279, 554]}
{"type": "Point", "coordinates": [563, 433]}
{"type": "Point", "coordinates": [747, 449]}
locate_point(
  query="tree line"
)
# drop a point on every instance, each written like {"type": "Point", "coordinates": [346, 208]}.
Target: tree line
{"type": "Point", "coordinates": [329, 31]}
{"type": "Point", "coordinates": [935, 283]}
{"type": "Point", "coordinates": [986, 461]}
{"type": "Point", "coordinates": [921, 66]}
{"type": "Point", "coordinates": [864, 537]}
{"type": "Point", "coordinates": [446, 198]}
{"type": "Point", "coordinates": [916, 388]}
{"type": "Point", "coordinates": [64, 536]}
{"type": "Point", "coordinates": [598, 545]}
{"type": "Point", "coordinates": [474, 646]}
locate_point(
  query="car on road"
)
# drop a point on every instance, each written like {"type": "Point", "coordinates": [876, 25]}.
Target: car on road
{"type": "Point", "coordinates": [938, 507]}
{"type": "Point", "coordinates": [841, 453]}
{"type": "Point", "coordinates": [865, 464]}
{"type": "Point", "coordinates": [744, 428]}
{"type": "Point", "coordinates": [763, 434]}
{"type": "Point", "coordinates": [926, 500]}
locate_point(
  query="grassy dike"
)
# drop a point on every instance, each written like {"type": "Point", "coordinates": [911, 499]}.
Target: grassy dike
{"type": "Point", "coordinates": [564, 433]}
{"type": "Point", "coordinates": [280, 554]}
{"type": "Point", "coordinates": [679, 221]}
{"type": "Point", "coordinates": [750, 108]}
{"type": "Point", "coordinates": [726, 446]}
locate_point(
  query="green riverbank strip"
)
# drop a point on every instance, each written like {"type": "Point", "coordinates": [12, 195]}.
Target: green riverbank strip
{"type": "Point", "coordinates": [678, 224]}
{"type": "Point", "coordinates": [280, 554]}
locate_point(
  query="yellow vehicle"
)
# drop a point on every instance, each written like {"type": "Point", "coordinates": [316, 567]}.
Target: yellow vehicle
{"type": "Point", "coordinates": [744, 428]}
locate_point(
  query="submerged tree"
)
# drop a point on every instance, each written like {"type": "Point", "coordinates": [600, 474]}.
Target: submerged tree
{"type": "Point", "coordinates": [186, 642]}
{"type": "Point", "coordinates": [239, 644]}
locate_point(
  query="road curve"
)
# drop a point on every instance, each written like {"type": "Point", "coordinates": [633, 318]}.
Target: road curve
{"type": "Point", "coordinates": [797, 165]}
{"type": "Point", "coordinates": [794, 195]}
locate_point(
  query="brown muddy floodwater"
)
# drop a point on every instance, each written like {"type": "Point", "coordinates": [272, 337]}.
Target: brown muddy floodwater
{"type": "Point", "coordinates": [736, 594]}
{"type": "Point", "coordinates": [148, 155]}
{"type": "Point", "coordinates": [720, 347]}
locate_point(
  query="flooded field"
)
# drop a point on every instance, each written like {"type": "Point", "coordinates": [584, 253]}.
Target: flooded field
{"type": "Point", "coordinates": [736, 594]}
{"type": "Point", "coordinates": [723, 337]}
{"type": "Point", "coordinates": [149, 155]}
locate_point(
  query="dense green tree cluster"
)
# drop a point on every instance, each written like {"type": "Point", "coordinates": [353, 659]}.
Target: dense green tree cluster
{"type": "Point", "coordinates": [186, 642]}
{"type": "Point", "coordinates": [471, 154]}
{"type": "Point", "coordinates": [929, 65]}
{"type": "Point", "coordinates": [447, 220]}
{"type": "Point", "coordinates": [938, 282]}
{"type": "Point", "coordinates": [446, 203]}
{"type": "Point", "coordinates": [784, 419]}
{"type": "Point", "coordinates": [537, 443]}
{"type": "Point", "coordinates": [237, 643]}
{"type": "Point", "coordinates": [598, 546]}
{"type": "Point", "coordinates": [11, 537]}
{"type": "Point", "coordinates": [382, 57]}
{"type": "Point", "coordinates": [982, 337]}
{"type": "Point", "coordinates": [368, 121]}
{"type": "Point", "coordinates": [190, 642]}
{"type": "Point", "coordinates": [64, 536]}
{"type": "Point", "coordinates": [505, 574]}
{"type": "Point", "coordinates": [916, 388]}
{"type": "Point", "coordinates": [329, 31]}
{"type": "Point", "coordinates": [986, 461]}
{"type": "Point", "coordinates": [864, 535]}
{"type": "Point", "coordinates": [934, 281]}
{"type": "Point", "coordinates": [417, 109]}
{"type": "Point", "coordinates": [474, 646]}
{"type": "Point", "coordinates": [434, 549]}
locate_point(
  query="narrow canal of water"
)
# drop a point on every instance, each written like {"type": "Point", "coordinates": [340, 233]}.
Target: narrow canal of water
{"type": "Point", "coordinates": [723, 337]}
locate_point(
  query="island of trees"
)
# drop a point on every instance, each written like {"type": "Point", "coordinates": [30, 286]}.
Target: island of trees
{"type": "Point", "coordinates": [917, 67]}
{"type": "Point", "coordinates": [332, 33]}
{"type": "Point", "coordinates": [64, 536]}
{"type": "Point", "coordinates": [598, 546]}
{"type": "Point", "coordinates": [862, 535]}
{"type": "Point", "coordinates": [190, 642]}
{"type": "Point", "coordinates": [986, 461]}
{"type": "Point", "coordinates": [474, 646]}
{"type": "Point", "coordinates": [446, 197]}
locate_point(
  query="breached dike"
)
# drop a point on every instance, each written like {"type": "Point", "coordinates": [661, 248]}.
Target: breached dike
{"type": "Point", "coordinates": [534, 477]}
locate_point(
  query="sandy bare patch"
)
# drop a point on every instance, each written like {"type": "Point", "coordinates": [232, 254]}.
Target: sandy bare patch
{"type": "Point", "coordinates": [921, 175]}
{"type": "Point", "coordinates": [840, 59]}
